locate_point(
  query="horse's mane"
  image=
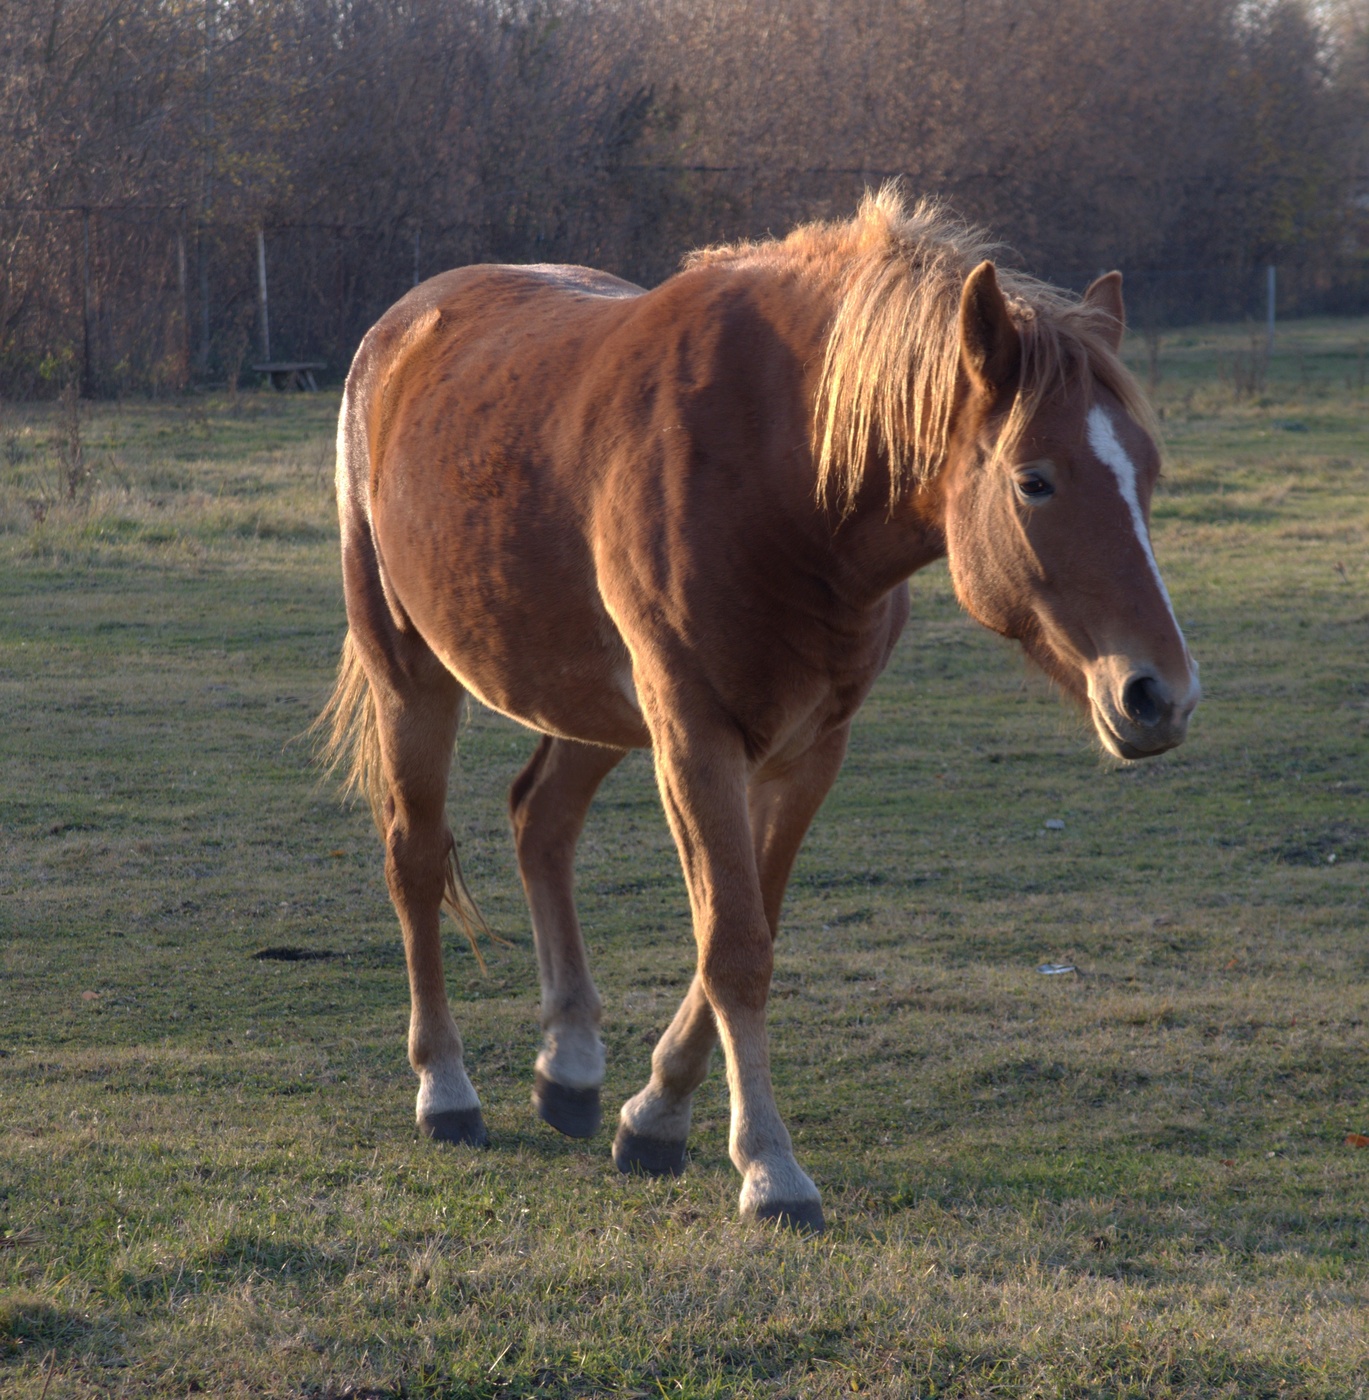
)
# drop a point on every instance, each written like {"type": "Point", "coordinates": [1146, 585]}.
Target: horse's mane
{"type": "Point", "coordinates": [890, 369]}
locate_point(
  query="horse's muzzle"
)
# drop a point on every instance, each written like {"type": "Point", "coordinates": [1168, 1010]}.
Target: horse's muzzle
{"type": "Point", "coordinates": [1141, 714]}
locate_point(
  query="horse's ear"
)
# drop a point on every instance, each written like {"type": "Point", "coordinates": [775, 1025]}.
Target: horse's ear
{"type": "Point", "coordinates": [990, 347]}
{"type": "Point", "coordinates": [1105, 294]}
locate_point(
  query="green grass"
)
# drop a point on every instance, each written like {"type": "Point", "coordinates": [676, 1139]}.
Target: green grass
{"type": "Point", "coordinates": [1133, 1182]}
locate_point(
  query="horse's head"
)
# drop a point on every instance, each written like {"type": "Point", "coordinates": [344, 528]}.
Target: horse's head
{"type": "Point", "coordinates": [1047, 524]}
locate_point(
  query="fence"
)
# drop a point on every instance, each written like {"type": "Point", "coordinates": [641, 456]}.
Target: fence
{"type": "Point", "coordinates": [1159, 298]}
{"type": "Point", "coordinates": [145, 299]}
{"type": "Point", "coordinates": [140, 298]}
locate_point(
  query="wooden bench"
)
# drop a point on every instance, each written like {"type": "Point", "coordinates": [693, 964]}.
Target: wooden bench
{"type": "Point", "coordinates": [291, 374]}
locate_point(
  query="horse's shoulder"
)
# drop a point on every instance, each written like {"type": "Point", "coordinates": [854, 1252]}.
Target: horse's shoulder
{"type": "Point", "coordinates": [752, 305]}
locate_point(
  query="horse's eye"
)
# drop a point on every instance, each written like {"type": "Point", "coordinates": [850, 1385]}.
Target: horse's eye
{"type": "Point", "coordinates": [1032, 486]}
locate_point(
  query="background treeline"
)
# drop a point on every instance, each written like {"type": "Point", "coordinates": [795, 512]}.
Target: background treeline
{"type": "Point", "coordinates": [144, 143]}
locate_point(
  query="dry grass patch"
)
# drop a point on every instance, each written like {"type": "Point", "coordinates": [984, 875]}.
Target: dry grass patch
{"type": "Point", "coordinates": [1136, 1180]}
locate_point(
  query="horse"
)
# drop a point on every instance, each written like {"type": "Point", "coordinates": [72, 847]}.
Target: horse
{"type": "Point", "coordinates": [684, 519]}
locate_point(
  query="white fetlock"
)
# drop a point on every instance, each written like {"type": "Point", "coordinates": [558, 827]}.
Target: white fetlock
{"type": "Point", "coordinates": [650, 1115]}
{"type": "Point", "coordinates": [572, 1056]}
{"type": "Point", "coordinates": [777, 1185]}
{"type": "Point", "coordinates": [444, 1089]}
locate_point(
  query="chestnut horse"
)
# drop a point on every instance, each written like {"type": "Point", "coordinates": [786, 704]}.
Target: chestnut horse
{"type": "Point", "coordinates": [684, 519]}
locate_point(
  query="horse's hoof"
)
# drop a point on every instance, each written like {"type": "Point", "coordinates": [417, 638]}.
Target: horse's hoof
{"type": "Point", "coordinates": [455, 1125]}
{"type": "Point", "coordinates": [574, 1112]}
{"type": "Point", "coordinates": [632, 1153]}
{"type": "Point", "coordinates": [805, 1216]}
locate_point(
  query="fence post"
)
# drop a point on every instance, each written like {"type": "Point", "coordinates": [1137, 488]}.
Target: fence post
{"type": "Point", "coordinates": [183, 309]}
{"type": "Point", "coordinates": [261, 292]}
{"type": "Point", "coordinates": [202, 252]}
{"type": "Point", "coordinates": [207, 192]}
{"type": "Point", "coordinates": [1269, 309]}
{"type": "Point", "coordinates": [87, 370]}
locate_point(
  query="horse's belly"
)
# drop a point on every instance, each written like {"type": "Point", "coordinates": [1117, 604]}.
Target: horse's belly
{"type": "Point", "coordinates": [570, 697]}
{"type": "Point", "coordinates": [519, 623]}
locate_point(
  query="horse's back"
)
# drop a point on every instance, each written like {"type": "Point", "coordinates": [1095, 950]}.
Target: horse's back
{"type": "Point", "coordinates": [485, 294]}
{"type": "Point", "coordinates": [468, 343]}
{"type": "Point", "coordinates": [563, 474]}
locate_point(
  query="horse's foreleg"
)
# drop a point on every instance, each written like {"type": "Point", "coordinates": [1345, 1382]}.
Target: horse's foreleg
{"type": "Point", "coordinates": [782, 809]}
{"type": "Point", "coordinates": [547, 805]}
{"type": "Point", "coordinates": [417, 729]}
{"type": "Point", "coordinates": [654, 1125]}
{"type": "Point", "coordinates": [704, 787]}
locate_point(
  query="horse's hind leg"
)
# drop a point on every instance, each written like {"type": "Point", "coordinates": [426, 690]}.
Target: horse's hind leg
{"type": "Point", "coordinates": [416, 720]}
{"type": "Point", "coordinates": [547, 805]}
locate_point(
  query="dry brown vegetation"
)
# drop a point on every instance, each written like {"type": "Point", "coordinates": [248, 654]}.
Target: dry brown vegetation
{"type": "Point", "coordinates": [143, 144]}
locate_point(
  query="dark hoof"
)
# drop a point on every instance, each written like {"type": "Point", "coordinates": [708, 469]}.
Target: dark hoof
{"type": "Point", "coordinates": [574, 1112]}
{"type": "Point", "coordinates": [456, 1125]}
{"type": "Point", "coordinates": [632, 1153]}
{"type": "Point", "coordinates": [806, 1216]}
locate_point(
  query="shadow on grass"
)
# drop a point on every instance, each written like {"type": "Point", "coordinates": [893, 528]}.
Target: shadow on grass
{"type": "Point", "coordinates": [31, 1325]}
{"type": "Point", "coordinates": [243, 1253]}
{"type": "Point", "coordinates": [810, 1363]}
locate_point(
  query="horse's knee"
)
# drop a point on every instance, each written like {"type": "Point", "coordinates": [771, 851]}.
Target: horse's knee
{"type": "Point", "coordinates": [736, 969]}
{"type": "Point", "coordinates": [416, 858]}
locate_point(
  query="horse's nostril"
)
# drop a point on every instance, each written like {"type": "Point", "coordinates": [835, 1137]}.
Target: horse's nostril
{"type": "Point", "coordinates": [1141, 701]}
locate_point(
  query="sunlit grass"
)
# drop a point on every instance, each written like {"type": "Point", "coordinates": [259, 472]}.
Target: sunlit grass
{"type": "Point", "coordinates": [1135, 1181]}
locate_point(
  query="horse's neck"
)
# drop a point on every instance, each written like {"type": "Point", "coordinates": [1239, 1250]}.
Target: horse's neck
{"type": "Point", "coordinates": [879, 545]}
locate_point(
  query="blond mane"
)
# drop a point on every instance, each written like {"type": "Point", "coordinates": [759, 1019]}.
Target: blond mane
{"type": "Point", "coordinates": [892, 361]}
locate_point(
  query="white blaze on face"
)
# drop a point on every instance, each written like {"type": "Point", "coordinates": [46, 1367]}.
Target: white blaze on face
{"type": "Point", "coordinates": [1106, 447]}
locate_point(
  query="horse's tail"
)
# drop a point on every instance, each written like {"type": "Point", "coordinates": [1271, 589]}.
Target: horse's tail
{"type": "Point", "coordinates": [349, 736]}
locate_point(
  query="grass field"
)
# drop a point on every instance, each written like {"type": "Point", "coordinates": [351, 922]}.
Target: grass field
{"type": "Point", "coordinates": [1140, 1180]}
